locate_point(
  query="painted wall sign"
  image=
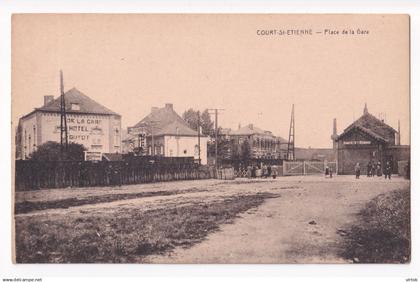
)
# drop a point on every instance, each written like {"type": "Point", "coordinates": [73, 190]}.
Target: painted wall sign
{"type": "Point", "coordinates": [357, 142]}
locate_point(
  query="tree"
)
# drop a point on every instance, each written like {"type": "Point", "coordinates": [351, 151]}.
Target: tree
{"type": "Point", "coordinates": [51, 151]}
{"type": "Point", "coordinates": [245, 150]}
{"type": "Point", "coordinates": [191, 117]}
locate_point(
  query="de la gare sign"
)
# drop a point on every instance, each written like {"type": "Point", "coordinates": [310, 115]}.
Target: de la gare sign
{"type": "Point", "coordinates": [357, 142]}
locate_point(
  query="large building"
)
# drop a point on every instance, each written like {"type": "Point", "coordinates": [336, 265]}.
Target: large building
{"type": "Point", "coordinates": [368, 139]}
{"type": "Point", "coordinates": [88, 123]}
{"type": "Point", "coordinates": [164, 133]}
{"type": "Point", "coordinates": [262, 144]}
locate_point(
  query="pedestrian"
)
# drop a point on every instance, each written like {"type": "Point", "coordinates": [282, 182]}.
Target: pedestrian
{"type": "Point", "coordinates": [254, 172]}
{"type": "Point", "coordinates": [274, 172]}
{"type": "Point", "coordinates": [379, 169]}
{"type": "Point", "coordinates": [388, 170]}
{"type": "Point", "coordinates": [264, 171]}
{"type": "Point", "coordinates": [357, 170]}
{"type": "Point", "coordinates": [327, 171]}
{"type": "Point", "coordinates": [331, 172]}
{"type": "Point", "coordinates": [369, 169]}
{"type": "Point", "coordinates": [268, 170]}
{"type": "Point", "coordinates": [373, 170]}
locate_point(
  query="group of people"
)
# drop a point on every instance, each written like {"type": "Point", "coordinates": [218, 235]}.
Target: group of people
{"type": "Point", "coordinates": [266, 171]}
{"type": "Point", "coordinates": [373, 169]}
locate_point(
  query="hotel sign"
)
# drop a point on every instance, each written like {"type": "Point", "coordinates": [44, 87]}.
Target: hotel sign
{"type": "Point", "coordinates": [356, 142]}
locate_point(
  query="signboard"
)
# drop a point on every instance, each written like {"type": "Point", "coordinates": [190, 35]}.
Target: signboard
{"type": "Point", "coordinates": [93, 156]}
{"type": "Point", "coordinates": [356, 142]}
{"type": "Point", "coordinates": [136, 130]}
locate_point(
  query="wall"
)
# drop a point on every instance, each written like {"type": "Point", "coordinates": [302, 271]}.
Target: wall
{"type": "Point", "coordinates": [98, 133]}
{"type": "Point", "coordinates": [29, 140]}
{"type": "Point", "coordinates": [357, 147]}
{"type": "Point", "coordinates": [185, 146]}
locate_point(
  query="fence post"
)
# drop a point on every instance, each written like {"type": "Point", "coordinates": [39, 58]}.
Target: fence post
{"type": "Point", "coordinates": [304, 167]}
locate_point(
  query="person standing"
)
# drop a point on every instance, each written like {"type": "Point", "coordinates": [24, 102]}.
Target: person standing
{"type": "Point", "coordinates": [369, 169]}
{"type": "Point", "coordinates": [379, 169]}
{"type": "Point", "coordinates": [373, 169]}
{"type": "Point", "coordinates": [327, 171]}
{"type": "Point", "coordinates": [388, 170]}
{"type": "Point", "coordinates": [357, 170]}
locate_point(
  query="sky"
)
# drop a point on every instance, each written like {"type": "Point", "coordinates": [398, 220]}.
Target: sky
{"type": "Point", "coordinates": [130, 63]}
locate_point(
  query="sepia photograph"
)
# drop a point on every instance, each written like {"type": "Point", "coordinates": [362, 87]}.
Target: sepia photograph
{"type": "Point", "coordinates": [210, 138]}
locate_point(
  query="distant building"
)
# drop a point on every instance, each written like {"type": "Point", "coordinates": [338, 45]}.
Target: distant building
{"type": "Point", "coordinates": [315, 154]}
{"type": "Point", "coordinates": [262, 144]}
{"type": "Point", "coordinates": [89, 123]}
{"type": "Point", "coordinates": [164, 133]}
{"type": "Point", "coordinates": [368, 139]}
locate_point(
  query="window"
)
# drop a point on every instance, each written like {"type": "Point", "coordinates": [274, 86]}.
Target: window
{"type": "Point", "coordinates": [116, 136]}
{"type": "Point", "coordinates": [75, 106]}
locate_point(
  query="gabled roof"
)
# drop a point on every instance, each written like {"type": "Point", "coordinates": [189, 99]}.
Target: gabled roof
{"type": "Point", "coordinates": [364, 130]}
{"type": "Point", "coordinates": [369, 121]}
{"type": "Point", "coordinates": [74, 96]}
{"type": "Point", "coordinates": [176, 128]}
{"type": "Point", "coordinates": [370, 125]}
{"type": "Point", "coordinates": [160, 117]}
{"type": "Point", "coordinates": [165, 121]}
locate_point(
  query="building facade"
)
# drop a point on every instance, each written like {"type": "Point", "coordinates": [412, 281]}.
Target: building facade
{"type": "Point", "coordinates": [368, 139]}
{"type": "Point", "coordinates": [164, 133]}
{"type": "Point", "coordinates": [261, 144]}
{"type": "Point", "coordinates": [94, 126]}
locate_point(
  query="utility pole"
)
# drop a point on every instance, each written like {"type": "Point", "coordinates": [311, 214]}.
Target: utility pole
{"type": "Point", "coordinates": [198, 130]}
{"type": "Point", "coordinates": [63, 121]}
{"type": "Point", "coordinates": [216, 114]}
{"type": "Point", "coordinates": [291, 143]}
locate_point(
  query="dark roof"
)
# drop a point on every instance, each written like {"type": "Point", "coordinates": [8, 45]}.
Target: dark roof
{"type": "Point", "coordinates": [177, 128]}
{"type": "Point", "coordinates": [165, 121]}
{"type": "Point", "coordinates": [160, 117]}
{"type": "Point", "coordinates": [86, 104]}
{"type": "Point", "coordinates": [370, 125]}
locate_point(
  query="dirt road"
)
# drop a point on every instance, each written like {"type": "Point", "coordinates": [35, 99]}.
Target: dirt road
{"type": "Point", "coordinates": [303, 225]}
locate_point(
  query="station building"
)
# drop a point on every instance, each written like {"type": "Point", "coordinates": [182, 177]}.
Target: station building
{"type": "Point", "coordinates": [88, 123]}
{"type": "Point", "coordinates": [368, 139]}
{"type": "Point", "coordinates": [164, 133]}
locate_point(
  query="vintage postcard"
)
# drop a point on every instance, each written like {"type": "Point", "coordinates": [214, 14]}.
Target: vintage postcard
{"type": "Point", "coordinates": [211, 138]}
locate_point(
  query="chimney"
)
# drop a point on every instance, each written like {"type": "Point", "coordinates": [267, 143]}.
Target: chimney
{"type": "Point", "coordinates": [335, 127]}
{"type": "Point", "coordinates": [398, 134]}
{"type": "Point", "coordinates": [169, 106]}
{"type": "Point", "coordinates": [154, 109]}
{"type": "Point", "coordinates": [48, 99]}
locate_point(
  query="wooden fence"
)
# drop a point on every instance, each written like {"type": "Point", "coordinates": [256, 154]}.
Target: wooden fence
{"type": "Point", "coordinates": [30, 175]}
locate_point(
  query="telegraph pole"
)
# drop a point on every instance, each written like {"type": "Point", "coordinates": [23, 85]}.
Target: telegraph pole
{"type": "Point", "coordinates": [198, 130]}
{"type": "Point", "coordinates": [291, 143]}
{"type": "Point", "coordinates": [216, 114]}
{"type": "Point", "coordinates": [63, 121]}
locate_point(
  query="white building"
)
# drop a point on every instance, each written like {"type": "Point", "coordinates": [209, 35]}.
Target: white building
{"type": "Point", "coordinates": [164, 133]}
{"type": "Point", "coordinates": [88, 123]}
